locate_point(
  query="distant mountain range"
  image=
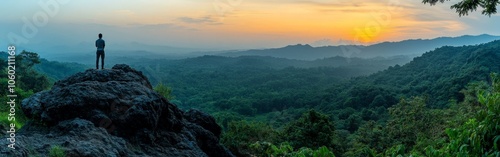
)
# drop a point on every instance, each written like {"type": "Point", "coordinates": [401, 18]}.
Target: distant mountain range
{"type": "Point", "coordinates": [84, 51]}
{"type": "Point", "coordinates": [409, 48]}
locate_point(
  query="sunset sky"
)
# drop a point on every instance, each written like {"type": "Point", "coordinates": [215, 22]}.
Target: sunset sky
{"type": "Point", "coordinates": [238, 24]}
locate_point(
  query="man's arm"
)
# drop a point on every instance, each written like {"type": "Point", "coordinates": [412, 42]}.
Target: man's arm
{"type": "Point", "coordinates": [103, 43]}
{"type": "Point", "coordinates": [96, 43]}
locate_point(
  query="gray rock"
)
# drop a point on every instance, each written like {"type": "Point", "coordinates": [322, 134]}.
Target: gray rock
{"type": "Point", "coordinates": [113, 112]}
{"type": "Point", "coordinates": [204, 120]}
{"type": "Point", "coordinates": [76, 137]}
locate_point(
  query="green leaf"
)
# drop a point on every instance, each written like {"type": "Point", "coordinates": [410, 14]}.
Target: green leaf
{"type": "Point", "coordinates": [495, 142]}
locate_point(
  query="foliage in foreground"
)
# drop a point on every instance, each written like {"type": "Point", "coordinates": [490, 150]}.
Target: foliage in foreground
{"type": "Point", "coordinates": [479, 136]}
{"type": "Point", "coordinates": [27, 82]}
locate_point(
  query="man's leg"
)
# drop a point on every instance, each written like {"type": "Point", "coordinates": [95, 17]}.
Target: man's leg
{"type": "Point", "coordinates": [97, 60]}
{"type": "Point", "coordinates": [102, 61]}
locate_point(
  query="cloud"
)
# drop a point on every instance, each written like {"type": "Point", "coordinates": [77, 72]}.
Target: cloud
{"type": "Point", "coordinates": [435, 28]}
{"type": "Point", "coordinates": [162, 26]}
{"type": "Point", "coordinates": [427, 17]}
{"type": "Point", "coordinates": [200, 20]}
{"type": "Point", "coordinates": [157, 26]}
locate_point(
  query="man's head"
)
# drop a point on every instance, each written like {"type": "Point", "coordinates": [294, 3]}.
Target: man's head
{"type": "Point", "coordinates": [100, 35]}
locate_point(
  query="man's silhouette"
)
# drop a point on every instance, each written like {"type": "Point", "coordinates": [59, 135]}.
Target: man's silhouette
{"type": "Point", "coordinates": [100, 44]}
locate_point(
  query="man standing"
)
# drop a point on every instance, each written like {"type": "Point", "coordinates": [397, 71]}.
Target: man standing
{"type": "Point", "coordinates": [100, 44]}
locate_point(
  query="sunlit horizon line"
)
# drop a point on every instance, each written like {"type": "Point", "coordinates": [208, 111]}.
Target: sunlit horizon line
{"type": "Point", "coordinates": [359, 43]}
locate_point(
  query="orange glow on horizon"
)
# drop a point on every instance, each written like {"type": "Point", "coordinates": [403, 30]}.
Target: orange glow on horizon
{"type": "Point", "coordinates": [360, 25]}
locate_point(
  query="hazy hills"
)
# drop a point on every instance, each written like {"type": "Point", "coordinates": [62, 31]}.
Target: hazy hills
{"type": "Point", "coordinates": [438, 75]}
{"type": "Point", "coordinates": [84, 52]}
{"type": "Point", "coordinates": [210, 61]}
{"type": "Point", "coordinates": [411, 48]}
{"type": "Point", "coordinates": [155, 69]}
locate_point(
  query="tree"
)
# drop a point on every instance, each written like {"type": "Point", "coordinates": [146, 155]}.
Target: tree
{"type": "Point", "coordinates": [465, 6]}
{"type": "Point", "coordinates": [241, 134]}
{"type": "Point", "coordinates": [28, 59]}
{"type": "Point", "coordinates": [414, 126]}
{"type": "Point", "coordinates": [164, 91]}
{"type": "Point", "coordinates": [312, 130]}
{"type": "Point", "coordinates": [28, 77]}
{"type": "Point", "coordinates": [408, 118]}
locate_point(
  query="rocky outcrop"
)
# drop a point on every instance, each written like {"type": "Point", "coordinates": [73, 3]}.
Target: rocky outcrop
{"type": "Point", "coordinates": [113, 112]}
{"type": "Point", "coordinates": [204, 120]}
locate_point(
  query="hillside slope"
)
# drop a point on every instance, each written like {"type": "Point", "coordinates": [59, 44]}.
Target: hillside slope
{"type": "Point", "coordinates": [438, 75]}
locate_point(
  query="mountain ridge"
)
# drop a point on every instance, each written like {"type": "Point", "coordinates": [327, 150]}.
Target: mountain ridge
{"type": "Point", "coordinates": [410, 47]}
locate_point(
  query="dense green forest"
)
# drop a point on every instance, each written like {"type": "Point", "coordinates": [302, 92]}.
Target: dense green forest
{"type": "Point", "coordinates": [443, 103]}
{"type": "Point", "coordinates": [400, 110]}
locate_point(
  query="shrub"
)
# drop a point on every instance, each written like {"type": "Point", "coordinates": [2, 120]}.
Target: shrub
{"type": "Point", "coordinates": [56, 151]}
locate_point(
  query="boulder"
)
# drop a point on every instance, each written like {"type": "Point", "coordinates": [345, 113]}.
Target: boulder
{"type": "Point", "coordinates": [117, 112]}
